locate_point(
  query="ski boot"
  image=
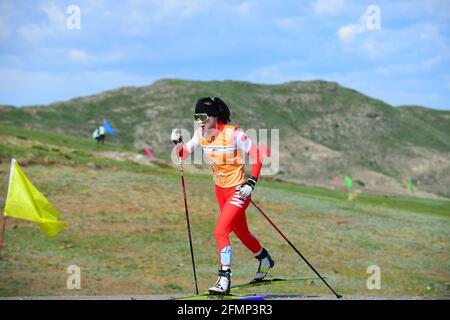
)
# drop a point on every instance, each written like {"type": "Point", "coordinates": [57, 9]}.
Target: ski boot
{"type": "Point", "coordinates": [223, 284]}
{"type": "Point", "coordinates": [265, 263]}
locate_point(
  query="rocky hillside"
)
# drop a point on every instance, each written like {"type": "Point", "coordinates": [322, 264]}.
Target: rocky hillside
{"type": "Point", "coordinates": [326, 130]}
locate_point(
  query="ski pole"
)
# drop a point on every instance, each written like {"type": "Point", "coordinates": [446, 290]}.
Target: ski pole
{"type": "Point", "coordinates": [188, 224]}
{"type": "Point", "coordinates": [295, 249]}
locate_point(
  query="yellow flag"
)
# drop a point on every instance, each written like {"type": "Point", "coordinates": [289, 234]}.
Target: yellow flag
{"type": "Point", "coordinates": [24, 201]}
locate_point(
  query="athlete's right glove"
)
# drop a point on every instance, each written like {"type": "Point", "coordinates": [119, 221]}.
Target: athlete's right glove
{"type": "Point", "coordinates": [176, 137]}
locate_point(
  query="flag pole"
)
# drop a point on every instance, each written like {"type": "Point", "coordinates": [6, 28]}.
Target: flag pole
{"type": "Point", "coordinates": [13, 161]}
{"type": "Point", "coordinates": [3, 235]}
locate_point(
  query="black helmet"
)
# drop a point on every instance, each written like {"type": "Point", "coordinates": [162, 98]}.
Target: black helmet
{"type": "Point", "coordinates": [208, 106]}
{"type": "Point", "coordinates": [213, 107]}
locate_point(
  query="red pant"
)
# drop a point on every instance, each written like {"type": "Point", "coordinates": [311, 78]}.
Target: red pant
{"type": "Point", "coordinates": [232, 218]}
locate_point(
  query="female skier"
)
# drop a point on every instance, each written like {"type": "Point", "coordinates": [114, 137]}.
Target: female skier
{"type": "Point", "coordinates": [223, 145]}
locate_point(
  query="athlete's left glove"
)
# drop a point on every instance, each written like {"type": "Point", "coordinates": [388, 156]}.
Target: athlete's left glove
{"type": "Point", "coordinates": [246, 189]}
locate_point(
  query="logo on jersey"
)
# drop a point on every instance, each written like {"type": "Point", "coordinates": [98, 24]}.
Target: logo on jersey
{"type": "Point", "coordinates": [236, 200]}
{"type": "Point", "coordinates": [218, 175]}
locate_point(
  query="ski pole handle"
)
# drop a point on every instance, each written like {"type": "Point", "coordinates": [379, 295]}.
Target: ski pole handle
{"type": "Point", "coordinates": [179, 141]}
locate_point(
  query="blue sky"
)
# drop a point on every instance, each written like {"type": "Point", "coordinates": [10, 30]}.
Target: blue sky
{"type": "Point", "coordinates": [133, 43]}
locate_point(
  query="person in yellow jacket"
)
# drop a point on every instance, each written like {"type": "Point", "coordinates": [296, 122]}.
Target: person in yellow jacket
{"type": "Point", "coordinates": [101, 132]}
{"type": "Point", "coordinates": [224, 145]}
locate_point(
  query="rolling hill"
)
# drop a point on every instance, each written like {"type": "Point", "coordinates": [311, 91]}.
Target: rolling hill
{"type": "Point", "coordinates": [325, 130]}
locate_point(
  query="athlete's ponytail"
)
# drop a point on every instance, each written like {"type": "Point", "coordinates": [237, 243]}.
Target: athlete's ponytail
{"type": "Point", "coordinates": [224, 111]}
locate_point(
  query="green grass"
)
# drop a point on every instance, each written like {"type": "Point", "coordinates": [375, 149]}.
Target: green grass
{"type": "Point", "coordinates": [126, 230]}
{"type": "Point", "coordinates": [63, 140]}
{"type": "Point", "coordinates": [437, 207]}
{"type": "Point", "coordinates": [56, 149]}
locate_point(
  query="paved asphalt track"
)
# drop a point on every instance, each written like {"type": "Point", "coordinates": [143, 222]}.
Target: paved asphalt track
{"type": "Point", "coordinates": [266, 297]}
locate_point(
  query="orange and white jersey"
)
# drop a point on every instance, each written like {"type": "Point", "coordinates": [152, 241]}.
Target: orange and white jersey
{"type": "Point", "coordinates": [225, 153]}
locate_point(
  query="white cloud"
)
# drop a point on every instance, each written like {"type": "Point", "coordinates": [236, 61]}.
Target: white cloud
{"type": "Point", "coordinates": [34, 32]}
{"type": "Point", "coordinates": [287, 40]}
{"type": "Point", "coordinates": [435, 10]}
{"type": "Point", "coordinates": [81, 56]}
{"type": "Point", "coordinates": [409, 69]}
{"type": "Point", "coordinates": [293, 24]}
{"type": "Point", "coordinates": [145, 17]}
{"type": "Point", "coordinates": [404, 44]}
{"type": "Point", "coordinates": [430, 63]}
{"type": "Point", "coordinates": [247, 8]}
{"type": "Point", "coordinates": [395, 84]}
{"type": "Point", "coordinates": [349, 32]}
{"type": "Point", "coordinates": [412, 41]}
{"type": "Point", "coordinates": [244, 8]}
{"type": "Point", "coordinates": [134, 17]}
{"type": "Point", "coordinates": [55, 14]}
{"type": "Point", "coordinates": [395, 89]}
{"type": "Point", "coordinates": [54, 24]}
{"type": "Point", "coordinates": [329, 6]}
{"type": "Point", "coordinates": [184, 8]}
{"type": "Point", "coordinates": [278, 72]}
{"type": "Point", "coordinates": [78, 55]}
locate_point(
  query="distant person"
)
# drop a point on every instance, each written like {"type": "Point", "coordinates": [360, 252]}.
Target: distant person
{"type": "Point", "coordinates": [101, 132]}
{"type": "Point", "coordinates": [224, 145]}
{"type": "Point", "coordinates": [96, 135]}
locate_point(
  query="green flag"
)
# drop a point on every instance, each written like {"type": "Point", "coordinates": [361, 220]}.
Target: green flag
{"type": "Point", "coordinates": [348, 182]}
{"type": "Point", "coordinates": [410, 185]}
